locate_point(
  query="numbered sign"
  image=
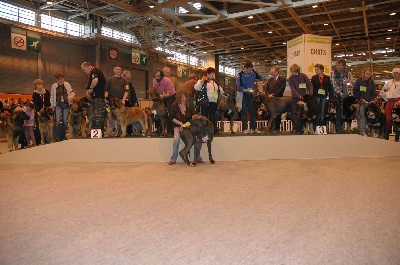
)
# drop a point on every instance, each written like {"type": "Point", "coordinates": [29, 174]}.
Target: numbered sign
{"type": "Point", "coordinates": [320, 130]}
{"type": "Point", "coordinates": [95, 134]}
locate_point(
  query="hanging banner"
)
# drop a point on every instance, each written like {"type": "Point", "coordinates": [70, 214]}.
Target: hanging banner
{"type": "Point", "coordinates": [182, 72]}
{"type": "Point", "coordinates": [18, 41]}
{"type": "Point", "coordinates": [308, 50]}
{"type": "Point", "coordinates": [139, 57]}
{"type": "Point", "coordinates": [33, 44]}
{"type": "Point", "coordinates": [113, 53]}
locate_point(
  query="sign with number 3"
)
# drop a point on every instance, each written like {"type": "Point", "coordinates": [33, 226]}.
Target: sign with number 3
{"type": "Point", "coordinates": [95, 134]}
{"type": "Point", "coordinates": [320, 130]}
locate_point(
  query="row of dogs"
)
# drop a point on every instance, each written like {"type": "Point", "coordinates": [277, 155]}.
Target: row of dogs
{"type": "Point", "coordinates": [200, 129]}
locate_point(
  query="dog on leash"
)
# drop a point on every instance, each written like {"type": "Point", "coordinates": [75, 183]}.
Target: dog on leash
{"type": "Point", "coordinates": [308, 113]}
{"type": "Point", "coordinates": [200, 130]}
{"type": "Point", "coordinates": [228, 106]}
{"type": "Point", "coordinates": [77, 118]}
{"type": "Point", "coordinates": [331, 109]}
{"type": "Point", "coordinates": [46, 124]}
{"type": "Point", "coordinates": [14, 128]}
{"type": "Point", "coordinates": [159, 112]}
{"type": "Point", "coordinates": [275, 106]}
{"type": "Point", "coordinates": [376, 120]}
{"type": "Point", "coordinates": [127, 115]}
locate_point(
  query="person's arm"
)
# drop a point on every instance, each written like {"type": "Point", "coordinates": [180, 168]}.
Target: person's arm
{"type": "Point", "coordinates": [309, 85]}
{"type": "Point", "coordinates": [239, 87]}
{"type": "Point", "coordinates": [373, 91]}
{"type": "Point", "coordinates": [293, 88]}
{"type": "Point", "coordinates": [169, 88]}
{"type": "Point", "coordinates": [53, 95]}
{"type": "Point", "coordinates": [335, 87]}
{"type": "Point", "coordinates": [199, 84]}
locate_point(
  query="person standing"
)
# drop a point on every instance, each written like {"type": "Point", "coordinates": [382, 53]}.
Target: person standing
{"type": "Point", "coordinates": [174, 80]}
{"type": "Point", "coordinates": [167, 92]}
{"type": "Point", "coordinates": [300, 85]}
{"type": "Point", "coordinates": [322, 87]}
{"type": "Point", "coordinates": [132, 98]}
{"type": "Point", "coordinates": [116, 87]}
{"type": "Point", "coordinates": [274, 88]}
{"type": "Point", "coordinates": [29, 109]}
{"type": "Point", "coordinates": [340, 79]}
{"type": "Point", "coordinates": [391, 94]}
{"type": "Point", "coordinates": [95, 90]}
{"type": "Point", "coordinates": [40, 99]}
{"type": "Point", "coordinates": [61, 96]}
{"type": "Point", "coordinates": [245, 81]}
{"type": "Point", "coordinates": [364, 92]}
{"type": "Point", "coordinates": [214, 91]}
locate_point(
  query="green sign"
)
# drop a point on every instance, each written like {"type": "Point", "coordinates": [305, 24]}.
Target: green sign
{"type": "Point", "coordinates": [33, 44]}
{"type": "Point", "coordinates": [139, 57]}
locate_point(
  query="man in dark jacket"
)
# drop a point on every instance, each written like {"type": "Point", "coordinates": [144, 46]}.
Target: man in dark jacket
{"type": "Point", "coordinates": [275, 88]}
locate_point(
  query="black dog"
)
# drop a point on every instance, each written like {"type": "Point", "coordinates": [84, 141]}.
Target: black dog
{"type": "Point", "coordinates": [199, 131]}
{"type": "Point", "coordinates": [275, 106]}
{"type": "Point", "coordinates": [308, 113]}
{"type": "Point", "coordinates": [376, 120]}
{"type": "Point", "coordinates": [350, 105]}
{"type": "Point", "coordinates": [15, 128]}
{"type": "Point", "coordinates": [331, 108]}
{"type": "Point", "coordinates": [396, 120]}
{"type": "Point", "coordinates": [159, 112]}
{"type": "Point", "coordinates": [228, 106]}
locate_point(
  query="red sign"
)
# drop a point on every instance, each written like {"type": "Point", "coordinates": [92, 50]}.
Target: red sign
{"type": "Point", "coordinates": [113, 53]}
{"type": "Point", "coordinates": [19, 42]}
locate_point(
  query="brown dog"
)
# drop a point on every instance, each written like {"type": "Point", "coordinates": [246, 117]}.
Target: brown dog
{"type": "Point", "coordinates": [76, 118]}
{"type": "Point", "coordinates": [14, 128]}
{"type": "Point", "coordinates": [127, 115]}
{"type": "Point", "coordinates": [228, 106]}
{"type": "Point", "coordinates": [46, 124]}
{"type": "Point", "coordinates": [158, 111]}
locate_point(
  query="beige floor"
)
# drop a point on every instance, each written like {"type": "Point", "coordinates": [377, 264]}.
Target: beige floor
{"type": "Point", "coordinates": [315, 211]}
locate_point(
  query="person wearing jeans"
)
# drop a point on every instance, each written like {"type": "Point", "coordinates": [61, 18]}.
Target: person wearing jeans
{"type": "Point", "coordinates": [322, 87]}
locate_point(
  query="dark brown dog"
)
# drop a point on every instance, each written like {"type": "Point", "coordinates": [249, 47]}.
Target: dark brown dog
{"type": "Point", "coordinates": [77, 118]}
{"type": "Point", "coordinates": [350, 105]}
{"type": "Point", "coordinates": [274, 106]}
{"type": "Point", "coordinates": [14, 128]}
{"type": "Point", "coordinates": [376, 120]}
{"type": "Point", "coordinates": [396, 120]}
{"type": "Point", "coordinates": [127, 115]}
{"type": "Point", "coordinates": [228, 106]}
{"type": "Point", "coordinates": [159, 112]}
{"type": "Point", "coordinates": [201, 130]}
{"type": "Point", "coordinates": [46, 124]}
{"type": "Point", "coordinates": [308, 113]}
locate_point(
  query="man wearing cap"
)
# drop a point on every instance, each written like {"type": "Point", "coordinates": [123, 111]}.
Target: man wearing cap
{"type": "Point", "coordinates": [245, 83]}
{"type": "Point", "coordinates": [95, 90]}
{"type": "Point", "coordinates": [61, 96]}
{"type": "Point", "coordinates": [214, 91]}
{"type": "Point", "coordinates": [391, 94]}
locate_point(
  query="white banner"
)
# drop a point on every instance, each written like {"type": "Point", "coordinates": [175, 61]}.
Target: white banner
{"type": "Point", "coordinates": [18, 41]}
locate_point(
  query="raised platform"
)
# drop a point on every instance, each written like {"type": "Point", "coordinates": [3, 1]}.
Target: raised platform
{"type": "Point", "coordinates": [235, 148]}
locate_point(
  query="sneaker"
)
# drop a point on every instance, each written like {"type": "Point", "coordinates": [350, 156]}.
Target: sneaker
{"type": "Point", "coordinates": [246, 131]}
{"type": "Point", "coordinates": [171, 163]}
{"type": "Point", "coordinates": [255, 131]}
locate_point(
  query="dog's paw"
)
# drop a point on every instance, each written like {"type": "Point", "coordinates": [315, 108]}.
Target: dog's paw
{"type": "Point", "coordinates": [212, 161]}
{"type": "Point", "coordinates": [192, 164]}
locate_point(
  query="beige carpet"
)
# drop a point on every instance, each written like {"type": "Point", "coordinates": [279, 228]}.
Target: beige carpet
{"type": "Point", "coordinates": [320, 211]}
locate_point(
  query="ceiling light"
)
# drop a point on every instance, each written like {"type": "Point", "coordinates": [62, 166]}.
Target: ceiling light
{"type": "Point", "coordinates": [326, 24]}
{"type": "Point", "coordinates": [388, 38]}
{"type": "Point", "coordinates": [49, 2]}
{"type": "Point", "coordinates": [242, 48]}
{"type": "Point", "coordinates": [314, 6]}
{"type": "Point", "coordinates": [151, 6]}
{"type": "Point", "coordinates": [337, 44]}
{"type": "Point", "coordinates": [197, 27]}
{"type": "Point", "coordinates": [387, 48]}
{"type": "Point", "coordinates": [390, 30]}
{"type": "Point", "coordinates": [284, 43]}
{"type": "Point", "coordinates": [269, 32]}
{"type": "Point", "coordinates": [250, 17]}
{"type": "Point", "coordinates": [204, 52]}
{"type": "Point", "coordinates": [392, 14]}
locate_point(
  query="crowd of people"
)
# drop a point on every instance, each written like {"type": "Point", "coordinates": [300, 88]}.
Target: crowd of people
{"type": "Point", "coordinates": [203, 96]}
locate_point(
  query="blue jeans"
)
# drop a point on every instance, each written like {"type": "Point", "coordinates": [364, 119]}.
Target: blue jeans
{"type": "Point", "coordinates": [62, 109]}
{"type": "Point", "coordinates": [175, 145]}
{"type": "Point", "coordinates": [321, 105]}
{"type": "Point", "coordinates": [248, 106]}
